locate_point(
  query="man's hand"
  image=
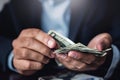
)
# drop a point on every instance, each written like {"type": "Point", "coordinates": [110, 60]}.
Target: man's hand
{"type": "Point", "coordinates": [32, 50]}
{"type": "Point", "coordinates": [83, 61]}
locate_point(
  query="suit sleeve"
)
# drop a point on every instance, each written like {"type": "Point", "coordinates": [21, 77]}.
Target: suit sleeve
{"type": "Point", "coordinates": [5, 48]}
{"type": "Point", "coordinates": [115, 33]}
{"type": "Point", "coordinates": [7, 34]}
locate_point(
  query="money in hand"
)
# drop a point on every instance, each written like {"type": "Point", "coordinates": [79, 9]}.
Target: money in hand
{"type": "Point", "coordinates": [67, 45]}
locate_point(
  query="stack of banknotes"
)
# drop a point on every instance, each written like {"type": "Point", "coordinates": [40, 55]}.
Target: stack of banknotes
{"type": "Point", "coordinates": [66, 45]}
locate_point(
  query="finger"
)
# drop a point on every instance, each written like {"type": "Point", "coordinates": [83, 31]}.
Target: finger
{"type": "Point", "coordinates": [34, 45]}
{"type": "Point", "coordinates": [88, 59]}
{"type": "Point", "coordinates": [92, 61]}
{"type": "Point", "coordinates": [71, 63]}
{"type": "Point", "coordinates": [83, 57]}
{"type": "Point", "coordinates": [28, 54]}
{"type": "Point", "coordinates": [27, 64]}
{"type": "Point", "coordinates": [102, 44]}
{"type": "Point", "coordinates": [101, 41]}
{"type": "Point", "coordinates": [27, 72]}
{"type": "Point", "coordinates": [40, 36]}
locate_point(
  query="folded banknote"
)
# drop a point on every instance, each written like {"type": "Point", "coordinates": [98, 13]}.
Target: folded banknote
{"type": "Point", "coordinates": [66, 45]}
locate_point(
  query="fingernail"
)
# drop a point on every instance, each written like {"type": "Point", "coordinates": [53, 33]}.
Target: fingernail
{"type": "Point", "coordinates": [51, 43]}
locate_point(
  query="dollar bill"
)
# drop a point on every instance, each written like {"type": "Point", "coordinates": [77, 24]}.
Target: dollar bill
{"type": "Point", "coordinates": [61, 40]}
{"type": "Point", "coordinates": [79, 48]}
{"type": "Point", "coordinates": [67, 45]}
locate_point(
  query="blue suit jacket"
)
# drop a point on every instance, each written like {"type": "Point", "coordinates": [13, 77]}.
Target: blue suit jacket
{"type": "Point", "coordinates": [88, 18]}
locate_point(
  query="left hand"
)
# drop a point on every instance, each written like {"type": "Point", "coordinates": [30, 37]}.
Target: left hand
{"type": "Point", "coordinates": [82, 61]}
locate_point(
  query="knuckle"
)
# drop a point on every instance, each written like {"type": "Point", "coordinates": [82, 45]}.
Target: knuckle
{"type": "Point", "coordinates": [33, 66]}
{"type": "Point", "coordinates": [16, 63]}
{"type": "Point", "coordinates": [17, 53]}
{"type": "Point", "coordinates": [14, 51]}
{"type": "Point", "coordinates": [45, 50]}
{"type": "Point", "coordinates": [24, 31]}
{"type": "Point", "coordinates": [28, 66]}
{"type": "Point", "coordinates": [34, 31]}
{"type": "Point", "coordinates": [31, 31]}
{"type": "Point", "coordinates": [14, 43]}
{"type": "Point", "coordinates": [24, 53]}
{"type": "Point", "coordinates": [27, 30]}
{"type": "Point", "coordinates": [27, 41]}
{"type": "Point", "coordinates": [21, 53]}
{"type": "Point", "coordinates": [41, 58]}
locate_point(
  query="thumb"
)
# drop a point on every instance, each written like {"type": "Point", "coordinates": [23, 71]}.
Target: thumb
{"type": "Point", "coordinates": [102, 44]}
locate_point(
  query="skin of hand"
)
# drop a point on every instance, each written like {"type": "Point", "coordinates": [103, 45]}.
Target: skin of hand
{"type": "Point", "coordinates": [81, 61]}
{"type": "Point", "coordinates": [32, 50]}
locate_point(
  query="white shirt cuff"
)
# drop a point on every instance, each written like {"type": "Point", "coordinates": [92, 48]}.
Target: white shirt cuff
{"type": "Point", "coordinates": [10, 62]}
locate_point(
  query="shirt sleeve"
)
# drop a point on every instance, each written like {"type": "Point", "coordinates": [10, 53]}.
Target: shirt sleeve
{"type": "Point", "coordinates": [115, 60]}
{"type": "Point", "coordinates": [10, 62]}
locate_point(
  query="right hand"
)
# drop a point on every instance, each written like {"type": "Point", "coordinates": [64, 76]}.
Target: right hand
{"type": "Point", "coordinates": [32, 50]}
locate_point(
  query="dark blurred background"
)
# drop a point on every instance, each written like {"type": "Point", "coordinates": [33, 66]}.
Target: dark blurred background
{"type": "Point", "coordinates": [2, 2]}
